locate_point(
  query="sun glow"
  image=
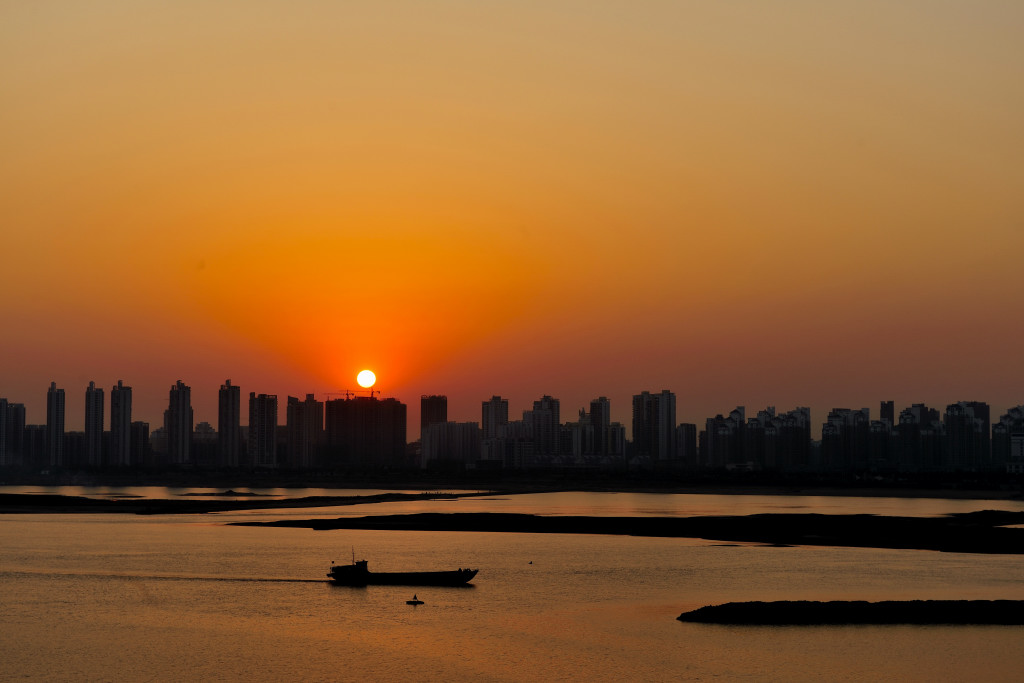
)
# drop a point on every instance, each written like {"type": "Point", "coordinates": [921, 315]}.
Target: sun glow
{"type": "Point", "coordinates": [366, 378]}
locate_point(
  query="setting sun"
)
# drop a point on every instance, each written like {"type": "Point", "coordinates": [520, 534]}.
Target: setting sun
{"type": "Point", "coordinates": [366, 378]}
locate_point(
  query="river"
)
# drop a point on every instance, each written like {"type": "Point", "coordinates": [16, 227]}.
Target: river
{"type": "Point", "coordinates": [124, 597]}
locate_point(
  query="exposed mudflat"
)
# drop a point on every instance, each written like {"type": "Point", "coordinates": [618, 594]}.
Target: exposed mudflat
{"type": "Point", "coordinates": [787, 613]}
{"type": "Point", "coordinates": [976, 532]}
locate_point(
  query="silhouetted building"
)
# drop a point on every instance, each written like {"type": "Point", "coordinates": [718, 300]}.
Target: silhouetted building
{"type": "Point", "coordinates": [617, 444]}
{"type": "Point", "coordinates": [919, 439]}
{"type": "Point", "coordinates": [545, 425]}
{"type": "Point", "coordinates": [845, 439]}
{"type": "Point", "coordinates": [788, 441]}
{"type": "Point", "coordinates": [433, 410]}
{"type": "Point", "coordinates": [770, 441]}
{"type": "Point", "coordinates": [1016, 462]}
{"type": "Point", "coordinates": [120, 452]}
{"type": "Point", "coordinates": [968, 435]}
{"type": "Point", "coordinates": [520, 449]}
{"type": "Point", "coordinates": [54, 441]}
{"type": "Point", "coordinates": [1009, 427]}
{"type": "Point", "coordinates": [723, 440]}
{"type": "Point", "coordinates": [600, 420]}
{"type": "Point", "coordinates": [495, 417]}
{"type": "Point", "coordinates": [305, 425]}
{"type": "Point", "coordinates": [887, 411]}
{"type": "Point", "coordinates": [178, 421]}
{"type": "Point", "coordinates": [365, 432]}
{"type": "Point", "coordinates": [579, 439]}
{"type": "Point", "coordinates": [204, 445]}
{"type": "Point", "coordinates": [654, 425]}
{"type": "Point", "coordinates": [229, 420]}
{"type": "Point", "coordinates": [74, 448]}
{"type": "Point", "coordinates": [493, 423]}
{"type": "Point", "coordinates": [140, 447]}
{"type": "Point", "coordinates": [34, 452]}
{"type": "Point", "coordinates": [686, 444]}
{"type": "Point", "coordinates": [262, 430]}
{"type": "Point", "coordinates": [882, 445]}
{"type": "Point", "coordinates": [4, 457]}
{"type": "Point", "coordinates": [93, 426]}
{"type": "Point", "coordinates": [14, 433]}
{"type": "Point", "coordinates": [451, 443]}
{"type": "Point", "coordinates": [754, 438]}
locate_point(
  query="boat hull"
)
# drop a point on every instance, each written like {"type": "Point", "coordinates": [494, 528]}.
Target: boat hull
{"type": "Point", "coordinates": [343, 576]}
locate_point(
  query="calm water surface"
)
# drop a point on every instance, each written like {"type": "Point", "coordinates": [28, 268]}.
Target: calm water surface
{"type": "Point", "coordinates": [599, 504]}
{"type": "Point", "coordinates": [122, 597]}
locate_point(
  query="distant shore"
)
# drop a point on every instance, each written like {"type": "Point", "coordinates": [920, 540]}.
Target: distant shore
{"type": "Point", "coordinates": [45, 503]}
{"type": "Point", "coordinates": [953, 486]}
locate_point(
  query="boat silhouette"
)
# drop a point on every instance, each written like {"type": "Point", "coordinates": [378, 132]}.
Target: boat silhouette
{"type": "Point", "coordinates": [359, 574]}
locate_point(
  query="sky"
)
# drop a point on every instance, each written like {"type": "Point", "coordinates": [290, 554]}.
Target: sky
{"type": "Point", "coordinates": [747, 203]}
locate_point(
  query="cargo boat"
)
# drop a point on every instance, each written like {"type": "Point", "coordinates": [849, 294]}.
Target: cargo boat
{"type": "Point", "coordinates": [358, 574]}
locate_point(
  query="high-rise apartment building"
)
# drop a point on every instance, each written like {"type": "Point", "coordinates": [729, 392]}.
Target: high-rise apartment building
{"type": "Point", "coordinates": [262, 430]}
{"type": "Point", "coordinates": [4, 458]}
{"type": "Point", "coordinates": [494, 414]}
{"type": "Point", "coordinates": [545, 423]}
{"type": "Point", "coordinates": [494, 420]}
{"type": "Point", "coordinates": [845, 438]}
{"type": "Point", "coordinates": [94, 426]}
{"type": "Point", "coordinates": [450, 443]}
{"type": "Point", "coordinates": [968, 435]}
{"type": "Point", "coordinates": [600, 420]}
{"type": "Point", "coordinates": [54, 435]}
{"type": "Point", "coordinates": [120, 453]}
{"type": "Point", "coordinates": [919, 442]}
{"type": "Point", "coordinates": [305, 424]}
{"type": "Point", "coordinates": [433, 410]}
{"type": "Point", "coordinates": [365, 432]}
{"type": "Point", "coordinates": [178, 421]}
{"type": "Point", "coordinates": [229, 406]}
{"type": "Point", "coordinates": [1004, 433]}
{"type": "Point", "coordinates": [887, 411]}
{"type": "Point", "coordinates": [654, 425]}
{"type": "Point", "coordinates": [140, 445]}
{"type": "Point", "coordinates": [14, 434]}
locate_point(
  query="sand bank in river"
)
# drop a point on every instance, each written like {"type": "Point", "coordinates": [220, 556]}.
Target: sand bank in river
{"type": "Point", "coordinates": [975, 532]}
{"type": "Point", "coordinates": [806, 613]}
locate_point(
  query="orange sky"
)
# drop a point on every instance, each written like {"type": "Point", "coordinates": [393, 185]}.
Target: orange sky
{"type": "Point", "coordinates": [790, 203]}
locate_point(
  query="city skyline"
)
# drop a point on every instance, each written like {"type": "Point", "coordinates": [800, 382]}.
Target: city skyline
{"type": "Point", "coordinates": [369, 432]}
{"type": "Point", "coordinates": [611, 410]}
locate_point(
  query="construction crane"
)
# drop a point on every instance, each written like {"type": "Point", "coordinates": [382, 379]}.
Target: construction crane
{"type": "Point", "coordinates": [348, 393]}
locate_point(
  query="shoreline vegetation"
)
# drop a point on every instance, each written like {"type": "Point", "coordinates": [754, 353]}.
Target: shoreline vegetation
{"type": "Point", "coordinates": [842, 612]}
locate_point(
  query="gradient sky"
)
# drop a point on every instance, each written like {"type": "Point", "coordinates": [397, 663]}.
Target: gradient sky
{"type": "Point", "coordinates": [785, 203]}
